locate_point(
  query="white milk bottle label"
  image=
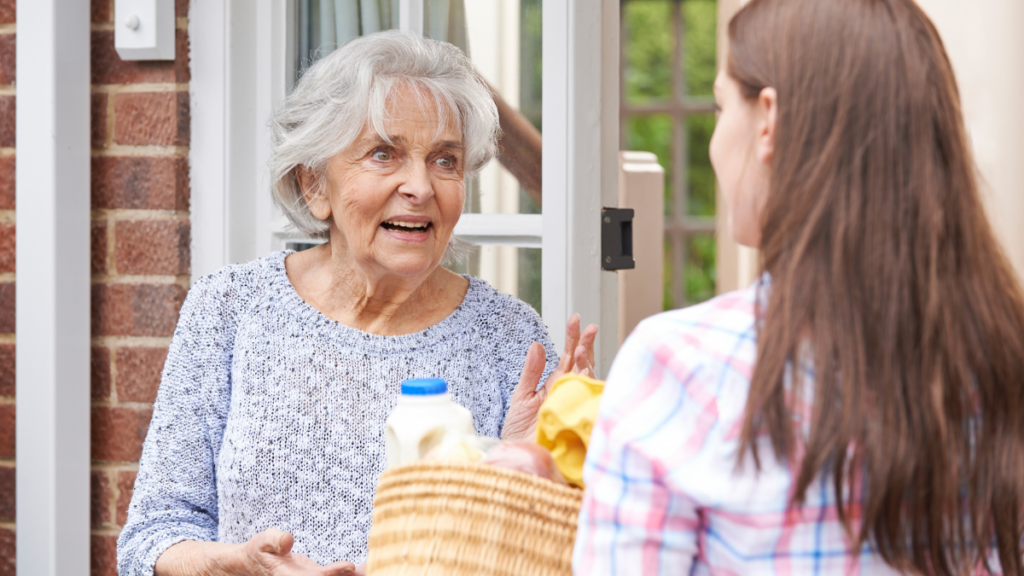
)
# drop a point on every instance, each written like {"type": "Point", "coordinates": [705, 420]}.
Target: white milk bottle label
{"type": "Point", "coordinates": [424, 415]}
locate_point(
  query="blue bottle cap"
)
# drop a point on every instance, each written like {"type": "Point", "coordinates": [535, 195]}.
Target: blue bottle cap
{"type": "Point", "coordinates": [424, 386]}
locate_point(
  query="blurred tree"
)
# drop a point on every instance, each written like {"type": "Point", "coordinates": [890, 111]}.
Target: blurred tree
{"type": "Point", "coordinates": [649, 42]}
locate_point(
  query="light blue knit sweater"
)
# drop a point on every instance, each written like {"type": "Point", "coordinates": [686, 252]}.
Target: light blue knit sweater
{"type": "Point", "coordinates": [272, 415]}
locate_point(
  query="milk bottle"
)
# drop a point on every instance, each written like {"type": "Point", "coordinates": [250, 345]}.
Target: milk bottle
{"type": "Point", "coordinates": [423, 416]}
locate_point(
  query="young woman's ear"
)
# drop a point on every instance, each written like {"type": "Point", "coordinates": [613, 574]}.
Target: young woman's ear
{"type": "Point", "coordinates": [313, 192]}
{"type": "Point", "coordinates": [768, 113]}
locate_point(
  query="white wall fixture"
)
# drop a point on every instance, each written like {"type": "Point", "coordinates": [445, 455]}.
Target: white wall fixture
{"type": "Point", "coordinates": [144, 29]}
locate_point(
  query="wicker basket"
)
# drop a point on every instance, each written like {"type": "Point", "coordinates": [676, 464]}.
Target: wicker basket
{"type": "Point", "coordinates": [455, 519]}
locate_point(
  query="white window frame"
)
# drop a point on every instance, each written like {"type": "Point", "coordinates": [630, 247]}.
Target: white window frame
{"type": "Point", "coordinates": [242, 53]}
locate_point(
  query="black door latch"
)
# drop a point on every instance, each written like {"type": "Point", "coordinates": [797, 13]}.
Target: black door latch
{"type": "Point", "coordinates": [617, 239]}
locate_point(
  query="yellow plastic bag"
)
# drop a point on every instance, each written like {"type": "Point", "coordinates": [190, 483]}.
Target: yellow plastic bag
{"type": "Point", "coordinates": [565, 421]}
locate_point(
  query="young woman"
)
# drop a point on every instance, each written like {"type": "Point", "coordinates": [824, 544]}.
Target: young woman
{"type": "Point", "coordinates": [861, 408]}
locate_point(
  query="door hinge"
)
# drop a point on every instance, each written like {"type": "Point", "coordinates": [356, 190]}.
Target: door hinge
{"type": "Point", "coordinates": [617, 239]}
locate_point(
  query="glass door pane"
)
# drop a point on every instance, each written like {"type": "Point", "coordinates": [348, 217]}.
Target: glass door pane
{"type": "Point", "coordinates": [504, 43]}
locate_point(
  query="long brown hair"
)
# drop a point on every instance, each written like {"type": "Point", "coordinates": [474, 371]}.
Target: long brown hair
{"type": "Point", "coordinates": [881, 258]}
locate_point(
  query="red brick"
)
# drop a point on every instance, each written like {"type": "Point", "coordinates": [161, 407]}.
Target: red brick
{"type": "Point", "coordinates": [125, 486]}
{"type": "Point", "coordinates": [7, 121]}
{"type": "Point", "coordinates": [118, 432]}
{"type": "Point", "coordinates": [138, 373]}
{"type": "Point", "coordinates": [99, 372]}
{"type": "Point", "coordinates": [151, 118]}
{"type": "Point", "coordinates": [103, 555]}
{"type": "Point", "coordinates": [7, 369]}
{"type": "Point", "coordinates": [98, 247]}
{"type": "Point", "coordinates": [98, 115]}
{"type": "Point", "coordinates": [182, 72]}
{"type": "Point", "coordinates": [181, 8]}
{"type": "Point", "coordinates": [8, 62]}
{"type": "Point", "coordinates": [140, 183]}
{"type": "Point", "coordinates": [7, 549]}
{"type": "Point", "coordinates": [135, 309]}
{"type": "Point", "coordinates": [7, 430]}
{"type": "Point", "coordinates": [108, 68]}
{"type": "Point", "coordinates": [152, 247]}
{"type": "Point", "coordinates": [6, 183]}
{"type": "Point", "coordinates": [100, 496]}
{"type": "Point", "coordinates": [7, 301]}
{"type": "Point", "coordinates": [7, 11]}
{"type": "Point", "coordinates": [100, 11]}
{"type": "Point", "coordinates": [7, 499]}
{"type": "Point", "coordinates": [6, 247]}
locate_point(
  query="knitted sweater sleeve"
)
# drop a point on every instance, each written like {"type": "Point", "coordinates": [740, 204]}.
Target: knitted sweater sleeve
{"type": "Point", "coordinates": [175, 495]}
{"type": "Point", "coordinates": [523, 327]}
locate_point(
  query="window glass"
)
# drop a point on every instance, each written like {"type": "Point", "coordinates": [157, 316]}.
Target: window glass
{"type": "Point", "coordinates": [512, 270]}
{"type": "Point", "coordinates": [504, 43]}
{"type": "Point", "coordinates": [323, 25]}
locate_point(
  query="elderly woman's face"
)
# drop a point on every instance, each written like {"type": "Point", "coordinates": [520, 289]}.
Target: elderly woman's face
{"type": "Point", "coordinates": [396, 204]}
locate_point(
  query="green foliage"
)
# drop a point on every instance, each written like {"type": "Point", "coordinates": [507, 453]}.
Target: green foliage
{"type": "Point", "coordinates": [647, 77]}
{"type": "Point", "coordinates": [647, 57]}
{"type": "Point", "coordinates": [700, 20]}
{"type": "Point", "coordinates": [530, 60]}
{"type": "Point", "coordinates": [653, 133]}
{"type": "Point", "coordinates": [701, 176]}
{"type": "Point", "coordinates": [699, 276]}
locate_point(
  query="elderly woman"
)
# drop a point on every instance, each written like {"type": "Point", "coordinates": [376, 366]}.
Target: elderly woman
{"type": "Point", "coordinates": [267, 436]}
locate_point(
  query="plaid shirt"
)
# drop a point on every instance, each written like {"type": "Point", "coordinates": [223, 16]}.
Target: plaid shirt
{"type": "Point", "coordinates": [664, 493]}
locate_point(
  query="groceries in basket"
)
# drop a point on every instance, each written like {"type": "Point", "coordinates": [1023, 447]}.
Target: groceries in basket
{"type": "Point", "coordinates": [458, 504]}
{"type": "Point", "coordinates": [427, 424]}
{"type": "Point", "coordinates": [424, 416]}
{"type": "Point", "coordinates": [565, 422]}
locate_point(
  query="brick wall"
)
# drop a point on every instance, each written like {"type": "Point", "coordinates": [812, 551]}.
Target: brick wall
{"type": "Point", "coordinates": [7, 76]}
{"type": "Point", "coordinates": [140, 256]}
{"type": "Point", "coordinates": [140, 262]}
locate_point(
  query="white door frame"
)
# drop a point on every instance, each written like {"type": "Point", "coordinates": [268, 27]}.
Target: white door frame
{"type": "Point", "coordinates": [580, 159]}
{"type": "Point", "coordinates": [52, 310]}
{"type": "Point", "coordinates": [241, 61]}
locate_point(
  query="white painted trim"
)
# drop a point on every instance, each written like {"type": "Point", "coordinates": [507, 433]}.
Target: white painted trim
{"type": "Point", "coordinates": [580, 157]}
{"type": "Point", "coordinates": [208, 150]}
{"type": "Point", "coordinates": [524, 230]}
{"type": "Point", "coordinates": [241, 62]}
{"type": "Point", "coordinates": [410, 15]}
{"type": "Point", "coordinates": [52, 312]}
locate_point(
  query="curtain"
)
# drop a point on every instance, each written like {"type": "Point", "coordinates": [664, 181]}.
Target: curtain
{"type": "Point", "coordinates": [325, 25]}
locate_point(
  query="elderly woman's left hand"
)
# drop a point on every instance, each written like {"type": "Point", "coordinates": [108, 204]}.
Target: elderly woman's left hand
{"type": "Point", "coordinates": [521, 420]}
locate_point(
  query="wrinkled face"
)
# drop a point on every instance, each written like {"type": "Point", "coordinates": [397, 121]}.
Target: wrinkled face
{"type": "Point", "coordinates": [395, 204]}
{"type": "Point", "coordinates": [739, 158]}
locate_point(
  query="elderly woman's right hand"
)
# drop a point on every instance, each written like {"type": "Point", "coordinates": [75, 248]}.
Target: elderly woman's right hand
{"type": "Point", "coordinates": [521, 419]}
{"type": "Point", "coordinates": [268, 553]}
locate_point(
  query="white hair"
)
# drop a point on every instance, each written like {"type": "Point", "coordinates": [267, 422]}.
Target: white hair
{"type": "Point", "coordinates": [351, 87]}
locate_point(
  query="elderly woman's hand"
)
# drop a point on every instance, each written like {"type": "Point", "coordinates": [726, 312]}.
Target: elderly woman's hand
{"type": "Point", "coordinates": [268, 553]}
{"type": "Point", "coordinates": [521, 420]}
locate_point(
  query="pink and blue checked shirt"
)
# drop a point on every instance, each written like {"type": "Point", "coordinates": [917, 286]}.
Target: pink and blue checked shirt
{"type": "Point", "coordinates": [664, 495]}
